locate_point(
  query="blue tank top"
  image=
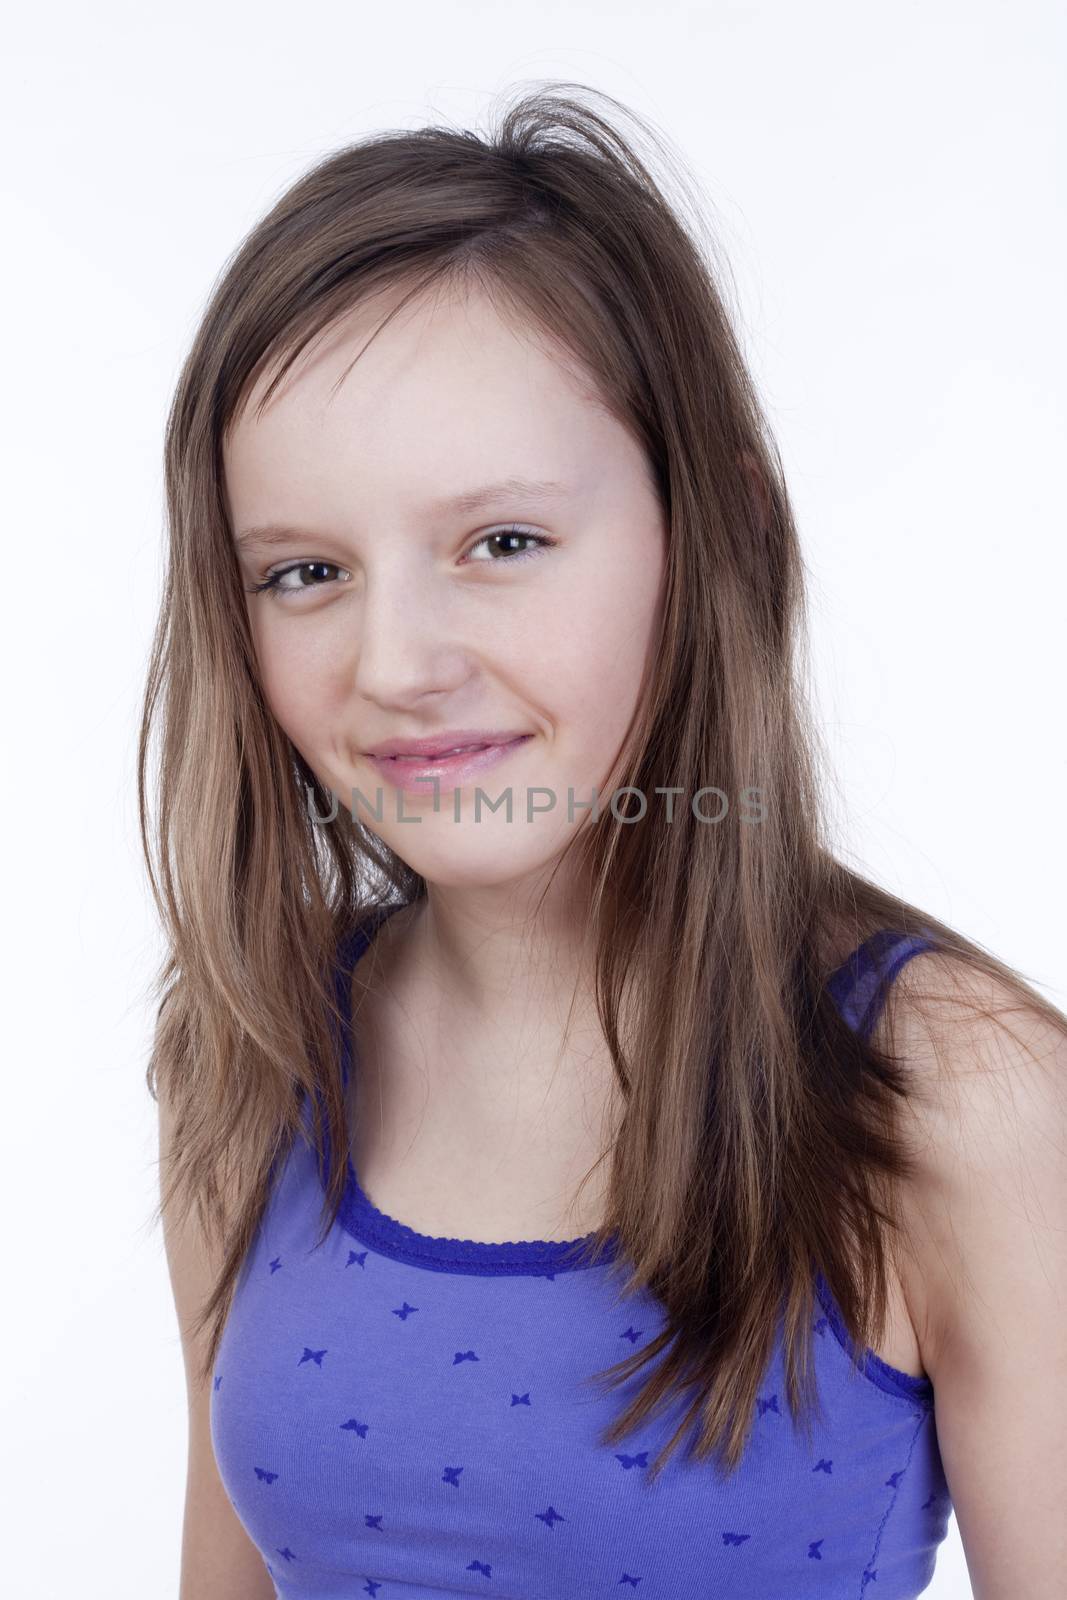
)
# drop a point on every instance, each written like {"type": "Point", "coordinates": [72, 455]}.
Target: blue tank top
{"type": "Point", "coordinates": [405, 1416]}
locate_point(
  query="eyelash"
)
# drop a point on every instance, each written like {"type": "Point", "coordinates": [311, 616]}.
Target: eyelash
{"type": "Point", "coordinates": [272, 585]}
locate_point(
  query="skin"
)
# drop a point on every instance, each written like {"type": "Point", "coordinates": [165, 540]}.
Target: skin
{"type": "Point", "coordinates": [421, 625]}
{"type": "Point", "coordinates": [987, 1269]}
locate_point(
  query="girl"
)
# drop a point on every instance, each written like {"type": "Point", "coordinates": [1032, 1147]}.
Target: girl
{"type": "Point", "coordinates": [575, 1178]}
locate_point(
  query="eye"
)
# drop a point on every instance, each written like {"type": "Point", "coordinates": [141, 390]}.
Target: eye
{"type": "Point", "coordinates": [301, 576]}
{"type": "Point", "coordinates": [510, 536]}
{"type": "Point", "coordinates": [298, 570]}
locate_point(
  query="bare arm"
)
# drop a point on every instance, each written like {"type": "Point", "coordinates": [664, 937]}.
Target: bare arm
{"type": "Point", "coordinates": [219, 1560]}
{"type": "Point", "coordinates": [989, 1221]}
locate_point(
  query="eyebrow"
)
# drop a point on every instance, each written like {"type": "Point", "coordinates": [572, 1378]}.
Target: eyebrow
{"type": "Point", "coordinates": [485, 494]}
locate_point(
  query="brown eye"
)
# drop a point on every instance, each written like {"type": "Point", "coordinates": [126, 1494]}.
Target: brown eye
{"type": "Point", "coordinates": [299, 570]}
{"type": "Point", "coordinates": [509, 537]}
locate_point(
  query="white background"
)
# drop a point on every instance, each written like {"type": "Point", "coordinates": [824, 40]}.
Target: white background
{"type": "Point", "coordinates": [887, 185]}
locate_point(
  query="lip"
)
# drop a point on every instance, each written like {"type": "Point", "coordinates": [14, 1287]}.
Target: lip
{"type": "Point", "coordinates": [436, 744]}
{"type": "Point", "coordinates": [416, 774]}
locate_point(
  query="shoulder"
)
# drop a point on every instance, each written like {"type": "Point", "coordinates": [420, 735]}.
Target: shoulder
{"type": "Point", "coordinates": [986, 1126]}
{"type": "Point", "coordinates": [984, 1211]}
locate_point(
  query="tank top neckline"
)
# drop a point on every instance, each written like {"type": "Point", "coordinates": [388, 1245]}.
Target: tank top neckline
{"type": "Point", "coordinates": [862, 980]}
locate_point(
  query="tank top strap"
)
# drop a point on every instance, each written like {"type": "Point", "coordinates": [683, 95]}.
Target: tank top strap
{"type": "Point", "coordinates": [349, 950]}
{"type": "Point", "coordinates": [860, 985]}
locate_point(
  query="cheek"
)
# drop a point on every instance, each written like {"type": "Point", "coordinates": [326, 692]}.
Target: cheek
{"type": "Point", "coordinates": [299, 685]}
{"type": "Point", "coordinates": [594, 642]}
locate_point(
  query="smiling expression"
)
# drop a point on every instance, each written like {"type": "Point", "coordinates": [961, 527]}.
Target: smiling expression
{"type": "Point", "coordinates": [387, 601]}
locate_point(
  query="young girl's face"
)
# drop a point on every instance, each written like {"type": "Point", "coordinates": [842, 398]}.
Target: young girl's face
{"type": "Point", "coordinates": [397, 613]}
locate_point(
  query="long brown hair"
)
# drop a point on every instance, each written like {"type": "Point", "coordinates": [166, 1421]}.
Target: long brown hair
{"type": "Point", "coordinates": [739, 1077]}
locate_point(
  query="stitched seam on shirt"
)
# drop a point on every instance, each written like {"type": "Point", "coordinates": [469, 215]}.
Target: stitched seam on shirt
{"type": "Point", "coordinates": [869, 1563]}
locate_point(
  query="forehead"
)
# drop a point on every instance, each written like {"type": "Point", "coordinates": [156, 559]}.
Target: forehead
{"type": "Point", "coordinates": [448, 393]}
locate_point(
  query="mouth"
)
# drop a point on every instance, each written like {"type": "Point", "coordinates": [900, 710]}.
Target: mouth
{"type": "Point", "coordinates": [441, 755]}
{"type": "Point", "coordinates": [415, 773]}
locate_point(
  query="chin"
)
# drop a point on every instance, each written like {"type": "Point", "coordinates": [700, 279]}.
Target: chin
{"type": "Point", "coordinates": [468, 856]}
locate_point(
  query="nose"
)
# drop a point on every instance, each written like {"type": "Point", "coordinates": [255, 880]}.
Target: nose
{"type": "Point", "coordinates": [407, 642]}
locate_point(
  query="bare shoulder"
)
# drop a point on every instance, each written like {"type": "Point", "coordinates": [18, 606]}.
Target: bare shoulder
{"type": "Point", "coordinates": [985, 1214]}
{"type": "Point", "coordinates": [986, 1122]}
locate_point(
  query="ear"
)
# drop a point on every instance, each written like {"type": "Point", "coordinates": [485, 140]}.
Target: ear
{"type": "Point", "coordinates": [757, 484]}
